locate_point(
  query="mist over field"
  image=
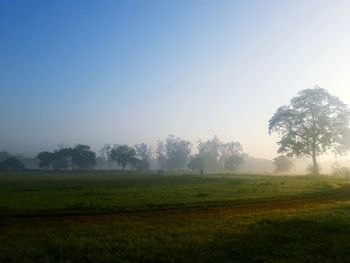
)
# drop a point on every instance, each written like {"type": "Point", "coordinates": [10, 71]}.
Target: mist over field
{"type": "Point", "coordinates": [174, 131]}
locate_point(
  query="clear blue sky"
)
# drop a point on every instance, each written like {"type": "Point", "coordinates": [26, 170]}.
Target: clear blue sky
{"type": "Point", "coordinates": [135, 71]}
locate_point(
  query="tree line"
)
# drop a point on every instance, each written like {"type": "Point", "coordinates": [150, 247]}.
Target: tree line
{"type": "Point", "coordinates": [314, 123]}
{"type": "Point", "coordinates": [173, 153]}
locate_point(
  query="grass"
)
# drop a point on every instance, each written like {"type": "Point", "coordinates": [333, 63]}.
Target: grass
{"type": "Point", "coordinates": [216, 218]}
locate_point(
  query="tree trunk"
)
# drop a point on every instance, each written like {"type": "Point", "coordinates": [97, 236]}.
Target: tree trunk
{"type": "Point", "coordinates": [314, 163]}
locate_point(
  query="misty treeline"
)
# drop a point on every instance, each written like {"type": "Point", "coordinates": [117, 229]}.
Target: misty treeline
{"type": "Point", "coordinates": [173, 154]}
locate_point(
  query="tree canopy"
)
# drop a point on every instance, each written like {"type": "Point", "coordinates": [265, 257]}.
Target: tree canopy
{"type": "Point", "coordinates": [216, 156]}
{"type": "Point", "coordinates": [123, 155]}
{"type": "Point", "coordinates": [174, 153]}
{"type": "Point", "coordinates": [313, 123]}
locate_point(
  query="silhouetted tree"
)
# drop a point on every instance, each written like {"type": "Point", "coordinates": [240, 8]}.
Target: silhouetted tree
{"type": "Point", "coordinates": [313, 123]}
{"type": "Point", "coordinates": [11, 163]}
{"type": "Point", "coordinates": [45, 159]}
{"type": "Point", "coordinates": [83, 157]}
{"type": "Point", "coordinates": [282, 163]}
{"type": "Point", "coordinates": [62, 158]}
{"type": "Point", "coordinates": [123, 155]}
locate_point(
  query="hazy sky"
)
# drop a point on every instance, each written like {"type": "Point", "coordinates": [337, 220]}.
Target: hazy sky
{"type": "Point", "coordinates": [135, 71]}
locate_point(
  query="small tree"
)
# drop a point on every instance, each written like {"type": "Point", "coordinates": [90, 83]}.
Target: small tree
{"type": "Point", "coordinates": [123, 155]}
{"type": "Point", "coordinates": [282, 163]}
{"type": "Point", "coordinates": [313, 123]}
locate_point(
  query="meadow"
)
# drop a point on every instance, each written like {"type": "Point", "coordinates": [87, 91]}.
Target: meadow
{"type": "Point", "coordinates": [130, 217]}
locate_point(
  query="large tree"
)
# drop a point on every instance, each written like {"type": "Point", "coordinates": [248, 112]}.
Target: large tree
{"type": "Point", "coordinates": [313, 123]}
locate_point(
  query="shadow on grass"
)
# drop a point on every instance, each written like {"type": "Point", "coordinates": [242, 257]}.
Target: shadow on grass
{"type": "Point", "coordinates": [295, 240]}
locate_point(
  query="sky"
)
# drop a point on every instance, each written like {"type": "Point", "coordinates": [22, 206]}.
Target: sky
{"type": "Point", "coordinates": [96, 72]}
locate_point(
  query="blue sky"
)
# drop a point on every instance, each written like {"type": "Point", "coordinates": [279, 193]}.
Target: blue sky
{"type": "Point", "coordinates": [136, 71]}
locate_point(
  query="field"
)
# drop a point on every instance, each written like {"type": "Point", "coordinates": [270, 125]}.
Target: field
{"type": "Point", "coordinates": [128, 217]}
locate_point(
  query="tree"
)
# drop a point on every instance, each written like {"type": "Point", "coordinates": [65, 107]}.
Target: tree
{"type": "Point", "coordinates": [11, 163]}
{"type": "Point", "coordinates": [217, 156]}
{"type": "Point", "coordinates": [123, 155]}
{"type": "Point", "coordinates": [161, 154]}
{"type": "Point", "coordinates": [231, 155]}
{"type": "Point", "coordinates": [46, 159]}
{"type": "Point", "coordinates": [313, 123]}
{"type": "Point", "coordinates": [209, 151]}
{"type": "Point", "coordinates": [282, 163]}
{"type": "Point", "coordinates": [62, 158]}
{"type": "Point", "coordinates": [196, 162]}
{"type": "Point", "coordinates": [105, 155]}
{"type": "Point", "coordinates": [142, 156]}
{"type": "Point", "coordinates": [174, 153]}
{"type": "Point", "coordinates": [83, 157]}
{"type": "Point", "coordinates": [233, 162]}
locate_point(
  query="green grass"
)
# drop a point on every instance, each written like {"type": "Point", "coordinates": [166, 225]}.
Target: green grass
{"type": "Point", "coordinates": [217, 218]}
{"type": "Point", "coordinates": [98, 192]}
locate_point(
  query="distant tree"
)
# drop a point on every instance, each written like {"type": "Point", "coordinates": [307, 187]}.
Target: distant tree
{"type": "Point", "coordinates": [174, 153]}
{"type": "Point", "coordinates": [161, 154]}
{"type": "Point", "coordinates": [105, 154]}
{"type": "Point", "coordinates": [45, 159]}
{"type": "Point", "coordinates": [338, 170]}
{"type": "Point", "coordinates": [233, 162]}
{"type": "Point", "coordinates": [11, 163]}
{"type": "Point", "coordinates": [142, 156]}
{"type": "Point", "coordinates": [123, 155]}
{"type": "Point", "coordinates": [282, 163]}
{"type": "Point", "coordinates": [231, 155]}
{"type": "Point", "coordinates": [313, 123]}
{"type": "Point", "coordinates": [62, 158]}
{"type": "Point", "coordinates": [83, 157]}
{"type": "Point", "coordinates": [217, 156]}
{"type": "Point", "coordinates": [196, 162]}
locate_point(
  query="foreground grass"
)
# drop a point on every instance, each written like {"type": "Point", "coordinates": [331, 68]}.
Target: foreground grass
{"type": "Point", "coordinates": [289, 226]}
{"type": "Point", "coordinates": [34, 193]}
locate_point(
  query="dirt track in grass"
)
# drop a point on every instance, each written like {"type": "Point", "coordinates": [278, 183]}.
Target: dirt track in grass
{"type": "Point", "coordinates": [233, 208]}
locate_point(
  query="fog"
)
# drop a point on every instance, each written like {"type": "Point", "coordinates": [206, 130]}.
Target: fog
{"type": "Point", "coordinates": [124, 73]}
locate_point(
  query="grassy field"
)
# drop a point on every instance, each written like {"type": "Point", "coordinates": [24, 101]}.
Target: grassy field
{"type": "Point", "coordinates": [114, 217]}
